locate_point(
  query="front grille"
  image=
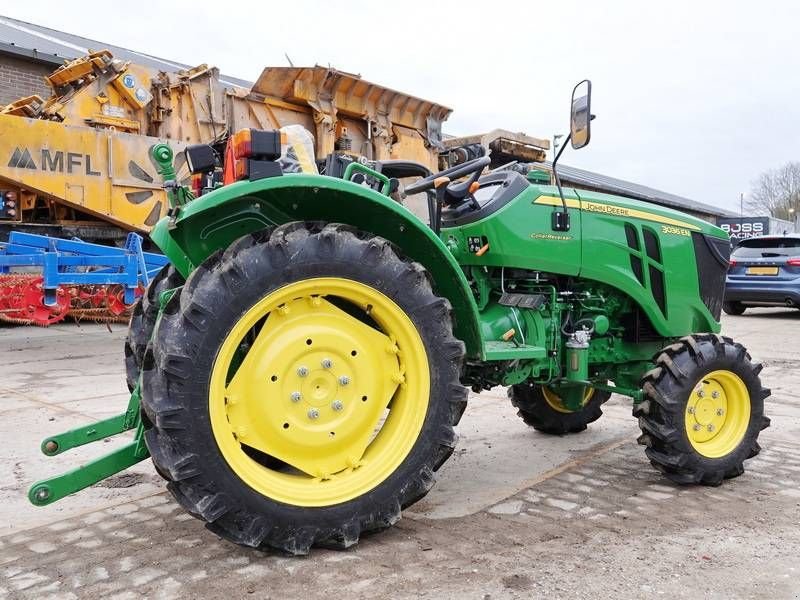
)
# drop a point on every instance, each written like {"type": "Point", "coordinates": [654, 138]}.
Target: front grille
{"type": "Point", "coordinates": [638, 328]}
{"type": "Point", "coordinates": [657, 287]}
{"type": "Point", "coordinates": [712, 255]}
{"type": "Point", "coordinates": [655, 268]}
{"type": "Point", "coordinates": [633, 243]}
{"type": "Point", "coordinates": [636, 266]}
{"type": "Point", "coordinates": [651, 245]}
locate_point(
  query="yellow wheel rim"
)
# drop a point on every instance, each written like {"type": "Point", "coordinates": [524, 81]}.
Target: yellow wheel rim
{"type": "Point", "coordinates": [334, 385]}
{"type": "Point", "coordinates": [556, 403]}
{"type": "Point", "coordinates": [717, 414]}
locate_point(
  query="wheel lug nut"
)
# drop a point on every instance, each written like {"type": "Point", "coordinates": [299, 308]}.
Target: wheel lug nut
{"type": "Point", "coordinates": [720, 412]}
{"type": "Point", "coordinates": [327, 363]}
{"type": "Point", "coordinates": [302, 371]}
{"type": "Point", "coordinates": [710, 427]}
{"type": "Point", "coordinates": [697, 427]}
{"type": "Point", "coordinates": [337, 405]}
{"type": "Point", "coordinates": [313, 413]}
{"type": "Point", "coordinates": [344, 380]}
{"type": "Point", "coordinates": [690, 410]}
{"type": "Point", "coordinates": [715, 394]}
{"type": "Point", "coordinates": [701, 394]}
{"type": "Point", "coordinates": [295, 396]}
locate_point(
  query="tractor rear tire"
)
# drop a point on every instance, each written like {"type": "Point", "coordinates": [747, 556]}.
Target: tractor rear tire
{"type": "Point", "coordinates": [243, 335]}
{"type": "Point", "coordinates": [733, 308]}
{"type": "Point", "coordinates": [542, 409]}
{"type": "Point", "coordinates": [143, 320]}
{"type": "Point", "coordinates": [703, 410]}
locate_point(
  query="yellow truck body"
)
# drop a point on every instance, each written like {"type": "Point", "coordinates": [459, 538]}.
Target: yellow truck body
{"type": "Point", "coordinates": [81, 157]}
{"type": "Point", "coordinates": [79, 161]}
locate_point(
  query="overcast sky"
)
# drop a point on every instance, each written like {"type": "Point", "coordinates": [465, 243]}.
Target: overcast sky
{"type": "Point", "coordinates": [695, 98]}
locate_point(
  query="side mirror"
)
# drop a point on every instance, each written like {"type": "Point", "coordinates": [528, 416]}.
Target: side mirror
{"type": "Point", "coordinates": [580, 117]}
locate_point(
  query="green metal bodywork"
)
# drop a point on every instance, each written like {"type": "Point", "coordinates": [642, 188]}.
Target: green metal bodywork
{"type": "Point", "coordinates": [220, 217]}
{"type": "Point", "coordinates": [519, 235]}
{"type": "Point", "coordinates": [595, 249]}
{"type": "Point", "coordinates": [584, 275]}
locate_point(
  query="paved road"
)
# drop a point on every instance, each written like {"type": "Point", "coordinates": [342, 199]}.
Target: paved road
{"type": "Point", "coordinates": [514, 515]}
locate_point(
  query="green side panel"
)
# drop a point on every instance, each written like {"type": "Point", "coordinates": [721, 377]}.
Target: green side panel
{"type": "Point", "coordinates": [520, 235]}
{"type": "Point", "coordinates": [608, 260]}
{"type": "Point", "coordinates": [160, 236]}
{"type": "Point", "coordinates": [218, 218]}
{"type": "Point", "coordinates": [596, 248]}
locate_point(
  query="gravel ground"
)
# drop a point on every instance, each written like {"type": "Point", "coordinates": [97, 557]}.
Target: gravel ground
{"type": "Point", "coordinates": [515, 514]}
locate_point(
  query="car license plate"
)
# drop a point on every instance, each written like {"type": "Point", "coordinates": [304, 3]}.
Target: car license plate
{"type": "Point", "coordinates": [762, 270]}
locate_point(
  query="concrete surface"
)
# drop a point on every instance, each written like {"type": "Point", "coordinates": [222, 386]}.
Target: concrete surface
{"type": "Point", "coordinates": [515, 514]}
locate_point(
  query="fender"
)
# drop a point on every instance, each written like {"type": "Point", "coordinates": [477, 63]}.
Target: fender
{"type": "Point", "coordinates": [216, 219]}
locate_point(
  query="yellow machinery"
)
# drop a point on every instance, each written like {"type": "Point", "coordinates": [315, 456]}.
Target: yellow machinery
{"type": "Point", "coordinates": [79, 162]}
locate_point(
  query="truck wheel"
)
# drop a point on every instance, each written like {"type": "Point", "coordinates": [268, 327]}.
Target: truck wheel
{"type": "Point", "coordinates": [542, 408]}
{"type": "Point", "coordinates": [733, 308]}
{"type": "Point", "coordinates": [143, 319]}
{"type": "Point", "coordinates": [703, 410]}
{"type": "Point", "coordinates": [302, 388]}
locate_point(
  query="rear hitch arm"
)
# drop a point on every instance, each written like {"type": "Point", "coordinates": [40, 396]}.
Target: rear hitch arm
{"type": "Point", "coordinates": [49, 490]}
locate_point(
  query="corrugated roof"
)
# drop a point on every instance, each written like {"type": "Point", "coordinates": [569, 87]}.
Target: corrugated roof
{"type": "Point", "coordinates": [635, 190]}
{"type": "Point", "coordinates": [52, 46]}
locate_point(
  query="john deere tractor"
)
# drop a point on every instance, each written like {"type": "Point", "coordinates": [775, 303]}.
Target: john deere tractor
{"type": "Point", "coordinates": [298, 371]}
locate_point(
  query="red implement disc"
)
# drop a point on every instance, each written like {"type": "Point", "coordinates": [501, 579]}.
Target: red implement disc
{"type": "Point", "coordinates": [22, 301]}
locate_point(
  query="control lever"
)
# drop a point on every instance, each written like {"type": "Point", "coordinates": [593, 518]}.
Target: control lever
{"type": "Point", "coordinates": [440, 184]}
{"type": "Point", "coordinates": [474, 187]}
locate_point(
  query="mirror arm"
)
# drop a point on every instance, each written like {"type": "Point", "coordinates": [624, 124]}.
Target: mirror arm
{"type": "Point", "coordinates": [560, 223]}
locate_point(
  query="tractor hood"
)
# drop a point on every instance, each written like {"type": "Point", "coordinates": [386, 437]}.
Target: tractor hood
{"type": "Point", "coordinates": [609, 204]}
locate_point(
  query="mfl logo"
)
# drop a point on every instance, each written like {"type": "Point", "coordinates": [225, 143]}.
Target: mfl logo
{"type": "Point", "coordinates": [54, 162]}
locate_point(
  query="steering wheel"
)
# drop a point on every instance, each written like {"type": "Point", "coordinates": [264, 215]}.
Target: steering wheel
{"type": "Point", "coordinates": [475, 166]}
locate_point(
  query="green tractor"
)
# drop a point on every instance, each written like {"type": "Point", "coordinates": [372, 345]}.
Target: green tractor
{"type": "Point", "coordinates": [298, 371]}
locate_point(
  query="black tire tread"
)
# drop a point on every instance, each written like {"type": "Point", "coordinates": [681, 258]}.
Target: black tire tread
{"type": "Point", "coordinates": [535, 411]}
{"type": "Point", "coordinates": [182, 454]}
{"type": "Point", "coordinates": [733, 308]}
{"type": "Point", "coordinates": [143, 320]}
{"type": "Point", "coordinates": [667, 387]}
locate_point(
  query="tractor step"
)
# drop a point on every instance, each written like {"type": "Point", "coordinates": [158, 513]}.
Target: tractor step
{"type": "Point", "coordinates": [511, 351]}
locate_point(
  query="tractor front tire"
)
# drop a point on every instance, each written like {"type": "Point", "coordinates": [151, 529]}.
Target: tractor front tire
{"type": "Point", "coordinates": [733, 308]}
{"type": "Point", "coordinates": [703, 410]}
{"type": "Point", "coordinates": [302, 388]}
{"type": "Point", "coordinates": [143, 320]}
{"type": "Point", "coordinates": [542, 409]}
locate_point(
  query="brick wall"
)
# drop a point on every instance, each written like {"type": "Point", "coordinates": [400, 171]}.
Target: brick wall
{"type": "Point", "coordinates": [20, 77]}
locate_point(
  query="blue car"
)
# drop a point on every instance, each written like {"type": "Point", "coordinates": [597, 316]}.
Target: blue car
{"type": "Point", "coordinates": [764, 271]}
